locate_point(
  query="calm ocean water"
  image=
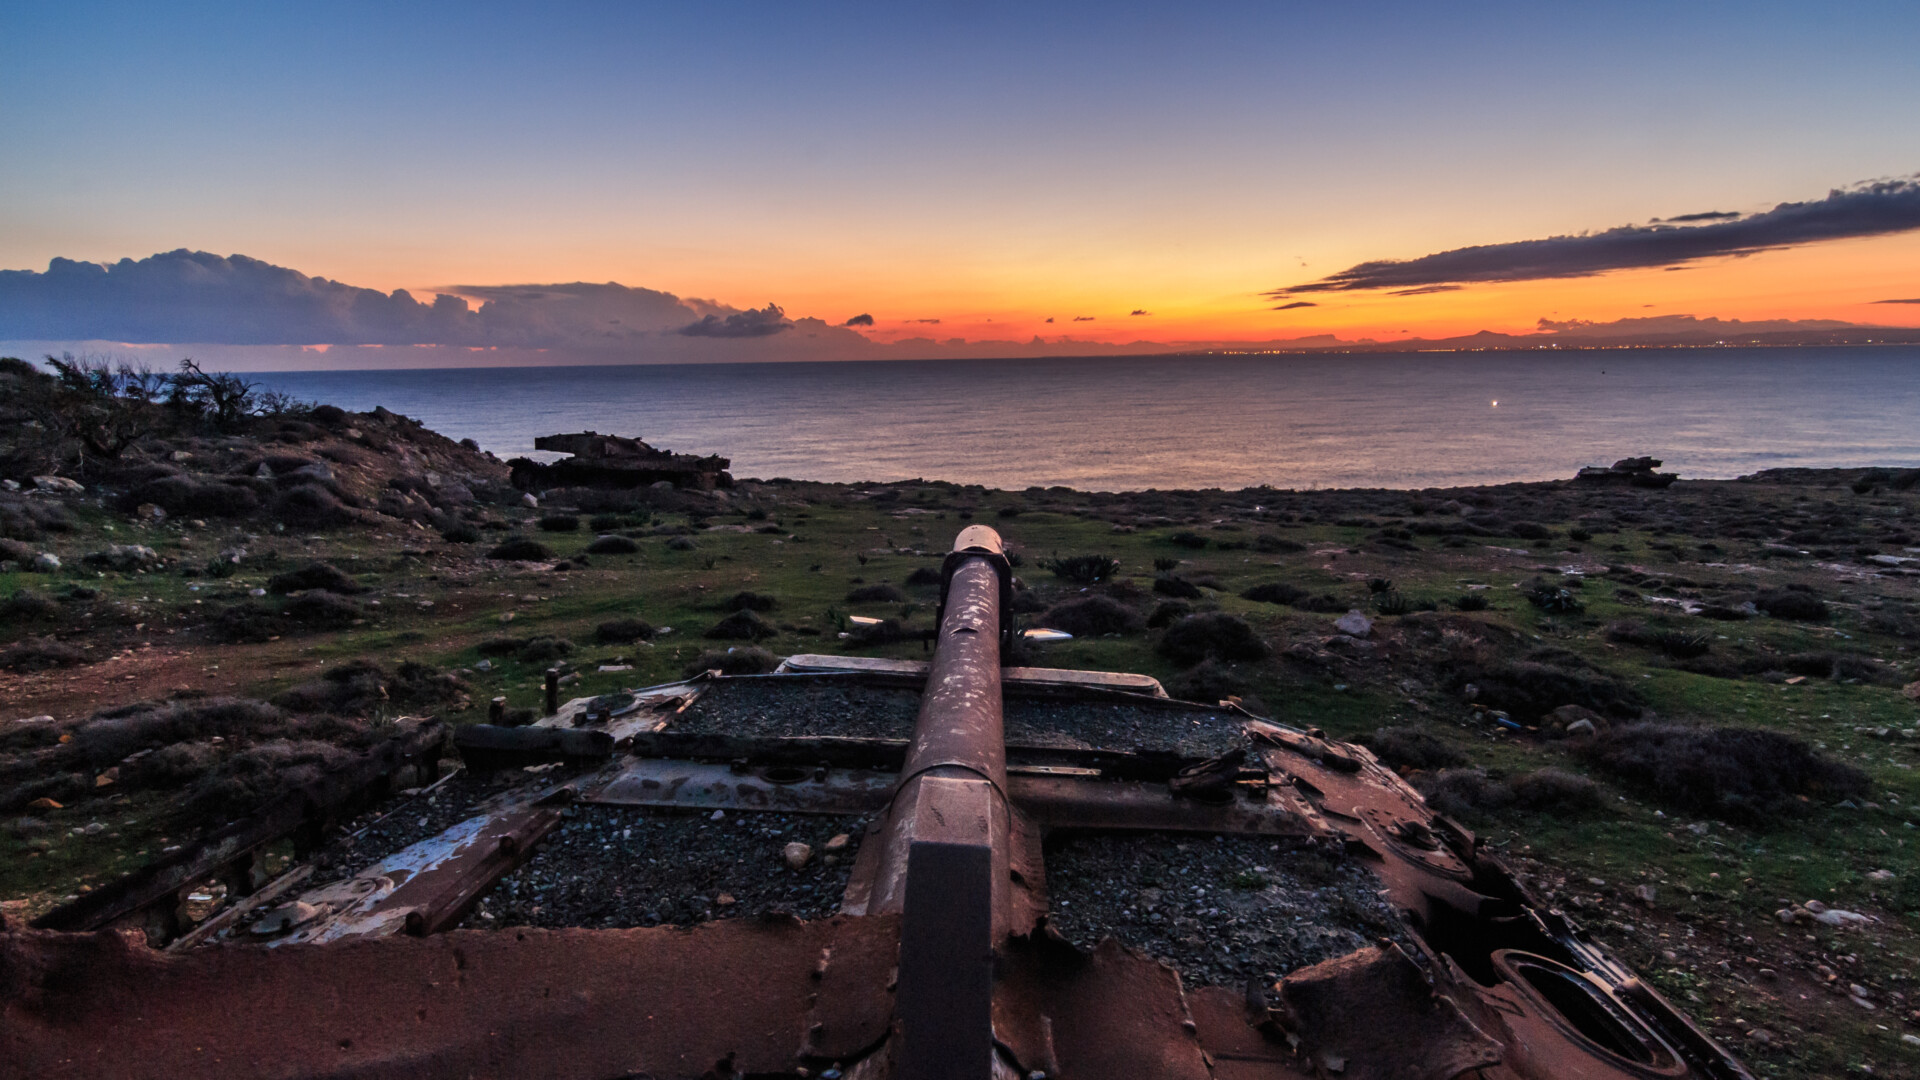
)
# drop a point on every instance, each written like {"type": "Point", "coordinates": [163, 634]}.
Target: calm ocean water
{"type": "Point", "coordinates": [1399, 421]}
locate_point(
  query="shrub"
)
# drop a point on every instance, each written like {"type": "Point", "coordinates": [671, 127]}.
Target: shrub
{"type": "Point", "coordinates": [25, 605]}
{"type": "Point", "coordinates": [315, 575]}
{"type": "Point", "coordinates": [543, 650]}
{"type": "Point", "coordinates": [1376, 586]}
{"type": "Point", "coordinates": [1792, 604]}
{"type": "Point", "coordinates": [623, 631]}
{"type": "Point", "coordinates": [749, 601]}
{"type": "Point", "coordinates": [1178, 588]}
{"type": "Point", "coordinates": [1275, 593]}
{"type": "Point", "coordinates": [1188, 539]}
{"type": "Point", "coordinates": [1553, 598]}
{"type": "Point", "coordinates": [681, 543]}
{"type": "Point", "coordinates": [749, 660]}
{"type": "Point", "coordinates": [1211, 634]}
{"type": "Point", "coordinates": [612, 545]}
{"type": "Point", "coordinates": [460, 533]}
{"type": "Point", "coordinates": [881, 593]}
{"type": "Point", "coordinates": [322, 610]}
{"type": "Point", "coordinates": [501, 646]}
{"type": "Point", "coordinates": [1207, 681]}
{"type": "Point", "coordinates": [247, 622]}
{"type": "Point", "coordinates": [1556, 791]}
{"type": "Point", "coordinates": [310, 506]}
{"type": "Point", "coordinates": [1324, 604]}
{"type": "Point", "coordinates": [1546, 679]}
{"type": "Point", "coordinates": [1407, 749]}
{"type": "Point", "coordinates": [1393, 602]}
{"type": "Point", "coordinates": [17, 552]}
{"type": "Point", "coordinates": [559, 523]}
{"type": "Point", "coordinates": [259, 773]}
{"type": "Point", "coordinates": [1168, 612]}
{"type": "Point", "coordinates": [884, 632]}
{"type": "Point", "coordinates": [923, 575]}
{"type": "Point", "coordinates": [1472, 601]}
{"type": "Point", "coordinates": [741, 626]}
{"type": "Point", "coordinates": [1163, 564]}
{"type": "Point", "coordinates": [40, 654]}
{"type": "Point", "coordinates": [1457, 792]}
{"type": "Point", "coordinates": [520, 549]}
{"type": "Point", "coordinates": [1527, 530]}
{"type": "Point", "coordinates": [1274, 545]}
{"type": "Point", "coordinates": [1092, 616]}
{"type": "Point", "coordinates": [1082, 569]}
{"type": "Point", "coordinates": [186, 496]}
{"type": "Point", "coordinates": [1739, 774]}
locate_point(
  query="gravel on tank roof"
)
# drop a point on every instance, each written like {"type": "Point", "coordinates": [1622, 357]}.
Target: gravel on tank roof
{"type": "Point", "coordinates": [776, 708]}
{"type": "Point", "coordinates": [616, 866]}
{"type": "Point", "coordinates": [1121, 725]}
{"type": "Point", "coordinates": [1223, 911]}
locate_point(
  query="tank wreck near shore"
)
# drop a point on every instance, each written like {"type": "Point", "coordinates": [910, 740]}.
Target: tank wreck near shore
{"type": "Point", "coordinates": [618, 463]}
{"type": "Point", "coordinates": [852, 867]}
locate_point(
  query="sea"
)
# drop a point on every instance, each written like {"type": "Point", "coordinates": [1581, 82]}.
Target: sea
{"type": "Point", "coordinates": [1406, 421]}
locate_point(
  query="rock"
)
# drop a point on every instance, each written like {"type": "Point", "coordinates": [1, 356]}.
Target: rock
{"type": "Point", "coordinates": [1911, 1040]}
{"type": "Point", "coordinates": [724, 900]}
{"type": "Point", "coordinates": [1566, 716]}
{"type": "Point", "coordinates": [1840, 917]}
{"type": "Point", "coordinates": [94, 828]}
{"type": "Point", "coordinates": [1761, 1036]}
{"type": "Point", "coordinates": [181, 455]}
{"type": "Point", "coordinates": [318, 472]}
{"type": "Point", "coordinates": [123, 557]}
{"type": "Point", "coordinates": [264, 472]}
{"type": "Point", "coordinates": [797, 855]}
{"type": "Point", "coordinates": [44, 803]}
{"type": "Point", "coordinates": [1644, 893]}
{"type": "Point", "coordinates": [43, 718]}
{"type": "Point", "coordinates": [1911, 691]}
{"type": "Point", "coordinates": [1814, 906]}
{"type": "Point", "coordinates": [1881, 876]}
{"type": "Point", "coordinates": [661, 485]}
{"type": "Point", "coordinates": [46, 562]}
{"type": "Point", "coordinates": [58, 485]}
{"type": "Point", "coordinates": [1581, 727]}
{"type": "Point", "coordinates": [10, 485]}
{"type": "Point", "coordinates": [1354, 624]}
{"type": "Point", "coordinates": [150, 512]}
{"type": "Point", "coordinates": [529, 501]}
{"type": "Point", "coordinates": [839, 842]}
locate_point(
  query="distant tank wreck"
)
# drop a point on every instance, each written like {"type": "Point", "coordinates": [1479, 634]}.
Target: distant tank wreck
{"type": "Point", "coordinates": [854, 867]}
{"type": "Point", "coordinates": [618, 463]}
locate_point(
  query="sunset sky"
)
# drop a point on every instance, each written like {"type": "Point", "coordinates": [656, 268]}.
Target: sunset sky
{"type": "Point", "coordinates": [992, 167]}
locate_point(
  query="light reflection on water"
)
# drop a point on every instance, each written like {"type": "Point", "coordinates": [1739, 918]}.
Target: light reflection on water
{"type": "Point", "coordinates": [1401, 421]}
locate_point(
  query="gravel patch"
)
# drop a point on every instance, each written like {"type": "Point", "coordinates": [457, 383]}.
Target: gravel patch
{"type": "Point", "coordinates": [1121, 726]}
{"type": "Point", "coordinates": [401, 822]}
{"type": "Point", "coordinates": [1222, 911]}
{"type": "Point", "coordinates": [767, 709]}
{"type": "Point", "coordinates": [610, 866]}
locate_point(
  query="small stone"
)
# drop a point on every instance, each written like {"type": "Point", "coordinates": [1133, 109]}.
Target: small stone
{"type": "Point", "coordinates": [1354, 624]}
{"type": "Point", "coordinates": [286, 917]}
{"type": "Point", "coordinates": [529, 501]}
{"type": "Point", "coordinates": [1881, 876]}
{"type": "Point", "coordinates": [839, 843]}
{"type": "Point", "coordinates": [1761, 1036]}
{"type": "Point", "coordinates": [1768, 974]}
{"type": "Point", "coordinates": [59, 485]}
{"type": "Point", "coordinates": [1580, 727]}
{"type": "Point", "coordinates": [1644, 893]}
{"type": "Point", "coordinates": [724, 900]}
{"type": "Point", "coordinates": [797, 855]}
{"type": "Point", "coordinates": [718, 815]}
{"type": "Point", "coordinates": [46, 562]}
{"type": "Point", "coordinates": [44, 803]}
{"type": "Point", "coordinates": [1910, 1040]}
{"type": "Point", "coordinates": [94, 828]}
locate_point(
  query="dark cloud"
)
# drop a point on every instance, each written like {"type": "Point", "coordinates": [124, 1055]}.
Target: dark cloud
{"type": "Point", "coordinates": [193, 297]}
{"type": "Point", "coordinates": [764, 322]}
{"type": "Point", "coordinates": [1137, 311]}
{"type": "Point", "coordinates": [862, 319]}
{"type": "Point", "coordinates": [1871, 209]}
{"type": "Point", "coordinates": [929, 322]}
{"type": "Point", "coordinates": [1083, 318]}
{"type": "Point", "coordinates": [1049, 320]}
{"type": "Point", "coordinates": [1425, 289]}
{"type": "Point", "coordinates": [1296, 304]}
{"type": "Point", "coordinates": [1704, 215]}
{"type": "Point", "coordinates": [1915, 300]}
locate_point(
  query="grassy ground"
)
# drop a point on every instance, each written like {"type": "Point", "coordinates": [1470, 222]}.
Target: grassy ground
{"type": "Point", "coordinates": [1708, 936]}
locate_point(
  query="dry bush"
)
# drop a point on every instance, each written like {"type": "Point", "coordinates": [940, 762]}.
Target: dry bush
{"type": "Point", "coordinates": [1207, 681]}
{"type": "Point", "coordinates": [743, 660]}
{"type": "Point", "coordinates": [315, 575]}
{"type": "Point", "coordinates": [741, 626]}
{"type": "Point", "coordinates": [1091, 616]}
{"type": "Point", "coordinates": [1406, 749]}
{"type": "Point", "coordinates": [41, 654]}
{"type": "Point", "coordinates": [322, 610]}
{"type": "Point", "coordinates": [1739, 774]}
{"type": "Point", "coordinates": [1277, 592]}
{"type": "Point", "coordinates": [881, 593]}
{"type": "Point", "coordinates": [612, 545]}
{"type": "Point", "coordinates": [749, 601]}
{"type": "Point", "coordinates": [520, 549]}
{"type": "Point", "coordinates": [623, 631]}
{"type": "Point", "coordinates": [1211, 634]}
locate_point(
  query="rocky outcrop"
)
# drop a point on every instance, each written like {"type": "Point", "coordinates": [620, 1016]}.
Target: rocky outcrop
{"type": "Point", "coordinates": [1633, 472]}
{"type": "Point", "coordinates": [614, 461]}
